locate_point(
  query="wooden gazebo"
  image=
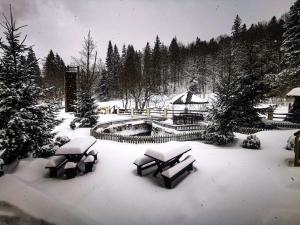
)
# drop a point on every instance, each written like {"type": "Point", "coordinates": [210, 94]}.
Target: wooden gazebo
{"type": "Point", "coordinates": [187, 117]}
{"type": "Point", "coordinates": [294, 109]}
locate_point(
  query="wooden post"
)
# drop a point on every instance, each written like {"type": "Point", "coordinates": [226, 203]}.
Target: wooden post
{"type": "Point", "coordinates": [148, 112]}
{"type": "Point", "coordinates": [297, 149]}
{"type": "Point", "coordinates": [270, 115]}
{"type": "Point", "coordinates": [132, 112]}
{"type": "Point", "coordinates": [118, 110]}
{"type": "Point", "coordinates": [165, 113]}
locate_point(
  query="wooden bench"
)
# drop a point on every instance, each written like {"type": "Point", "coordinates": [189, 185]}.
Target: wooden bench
{"type": "Point", "coordinates": [143, 163]}
{"type": "Point", "coordinates": [94, 153]}
{"type": "Point", "coordinates": [174, 172]}
{"type": "Point", "coordinates": [55, 163]}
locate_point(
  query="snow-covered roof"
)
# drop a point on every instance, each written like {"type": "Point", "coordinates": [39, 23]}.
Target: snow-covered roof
{"type": "Point", "coordinates": [188, 98]}
{"type": "Point", "coordinates": [167, 151]}
{"type": "Point", "coordinates": [294, 92]}
{"type": "Point", "coordinates": [76, 146]}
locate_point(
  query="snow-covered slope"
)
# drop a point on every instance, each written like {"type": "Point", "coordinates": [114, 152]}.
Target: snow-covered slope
{"type": "Point", "coordinates": [229, 186]}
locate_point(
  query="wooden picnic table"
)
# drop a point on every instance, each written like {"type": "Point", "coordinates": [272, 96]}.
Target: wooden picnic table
{"type": "Point", "coordinates": [167, 154]}
{"type": "Point", "coordinates": [76, 148]}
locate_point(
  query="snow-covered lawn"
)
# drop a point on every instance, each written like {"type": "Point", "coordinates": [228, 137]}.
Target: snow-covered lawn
{"type": "Point", "coordinates": [229, 185]}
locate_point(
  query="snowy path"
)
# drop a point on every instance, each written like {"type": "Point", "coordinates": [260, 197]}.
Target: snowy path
{"type": "Point", "coordinates": [230, 186]}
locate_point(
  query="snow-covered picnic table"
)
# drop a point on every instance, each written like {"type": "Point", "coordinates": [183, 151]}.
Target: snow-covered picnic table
{"type": "Point", "coordinates": [76, 148]}
{"type": "Point", "coordinates": [167, 154]}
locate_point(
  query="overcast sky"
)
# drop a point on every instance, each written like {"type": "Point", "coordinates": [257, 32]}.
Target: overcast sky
{"type": "Point", "coordinates": [61, 24]}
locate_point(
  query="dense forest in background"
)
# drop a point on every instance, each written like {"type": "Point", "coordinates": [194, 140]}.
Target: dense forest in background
{"type": "Point", "coordinates": [161, 69]}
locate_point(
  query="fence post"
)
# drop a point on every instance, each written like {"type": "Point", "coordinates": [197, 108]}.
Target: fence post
{"type": "Point", "coordinates": [132, 112]}
{"type": "Point", "coordinates": [118, 110]}
{"type": "Point", "coordinates": [270, 115]}
{"type": "Point", "coordinates": [165, 113]}
{"type": "Point", "coordinates": [297, 149]}
{"type": "Point", "coordinates": [148, 112]}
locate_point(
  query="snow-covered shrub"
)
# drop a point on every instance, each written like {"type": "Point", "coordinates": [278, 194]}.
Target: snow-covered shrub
{"type": "Point", "coordinates": [290, 143]}
{"type": "Point", "coordinates": [73, 125]}
{"type": "Point", "coordinates": [45, 151]}
{"type": "Point", "coordinates": [61, 140]}
{"type": "Point", "coordinates": [251, 142]}
{"type": "Point", "coordinates": [212, 136]}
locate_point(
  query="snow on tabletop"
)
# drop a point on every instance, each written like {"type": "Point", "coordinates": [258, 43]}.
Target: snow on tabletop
{"type": "Point", "coordinates": [55, 160]}
{"type": "Point", "coordinates": [89, 158]}
{"type": "Point", "coordinates": [70, 165]}
{"type": "Point", "coordinates": [76, 145]}
{"type": "Point", "coordinates": [178, 167]}
{"type": "Point", "coordinates": [142, 160]}
{"type": "Point", "coordinates": [294, 92]}
{"type": "Point", "coordinates": [167, 151]}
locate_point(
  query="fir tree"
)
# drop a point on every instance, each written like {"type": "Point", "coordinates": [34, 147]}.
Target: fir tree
{"type": "Point", "coordinates": [23, 123]}
{"type": "Point", "coordinates": [33, 62]}
{"type": "Point", "coordinates": [290, 75]}
{"type": "Point", "coordinates": [86, 114]}
{"type": "Point", "coordinates": [156, 62]}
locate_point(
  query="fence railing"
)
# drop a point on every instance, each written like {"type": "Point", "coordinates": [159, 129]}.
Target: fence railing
{"type": "Point", "coordinates": [188, 136]}
{"type": "Point", "coordinates": [185, 127]}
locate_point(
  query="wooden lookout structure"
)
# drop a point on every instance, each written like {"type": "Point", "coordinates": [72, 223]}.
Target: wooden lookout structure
{"type": "Point", "coordinates": [187, 99]}
{"type": "Point", "coordinates": [70, 87]}
{"type": "Point", "coordinates": [294, 109]}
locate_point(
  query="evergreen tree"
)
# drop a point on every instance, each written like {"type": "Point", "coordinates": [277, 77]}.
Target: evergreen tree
{"type": "Point", "coordinates": [86, 114]}
{"type": "Point", "coordinates": [32, 61]}
{"type": "Point", "coordinates": [23, 123]}
{"type": "Point", "coordinates": [174, 62]}
{"type": "Point", "coordinates": [116, 72]}
{"type": "Point", "coordinates": [156, 63]}
{"type": "Point", "coordinates": [54, 72]}
{"type": "Point", "coordinates": [290, 75]}
{"type": "Point", "coordinates": [110, 68]}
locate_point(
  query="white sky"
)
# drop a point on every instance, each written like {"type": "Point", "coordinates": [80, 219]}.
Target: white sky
{"type": "Point", "coordinates": [61, 24]}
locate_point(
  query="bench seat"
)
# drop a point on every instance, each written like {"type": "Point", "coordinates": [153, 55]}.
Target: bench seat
{"type": "Point", "coordinates": [55, 163]}
{"type": "Point", "coordinates": [174, 172]}
{"type": "Point", "coordinates": [143, 163]}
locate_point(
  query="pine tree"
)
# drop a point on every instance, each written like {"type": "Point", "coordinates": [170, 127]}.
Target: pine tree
{"type": "Point", "coordinates": [23, 122]}
{"type": "Point", "coordinates": [53, 71]}
{"type": "Point", "coordinates": [156, 63]}
{"type": "Point", "coordinates": [116, 72]}
{"type": "Point", "coordinates": [110, 68]}
{"type": "Point", "coordinates": [86, 114]}
{"type": "Point", "coordinates": [32, 61]}
{"type": "Point", "coordinates": [290, 75]}
{"type": "Point", "coordinates": [174, 62]}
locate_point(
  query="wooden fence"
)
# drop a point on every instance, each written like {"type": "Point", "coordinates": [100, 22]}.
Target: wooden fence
{"type": "Point", "coordinates": [188, 136]}
{"type": "Point", "coordinates": [185, 127]}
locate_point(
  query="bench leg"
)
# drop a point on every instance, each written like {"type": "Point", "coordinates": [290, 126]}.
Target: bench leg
{"type": "Point", "coordinates": [139, 170]}
{"type": "Point", "coordinates": [190, 167]}
{"type": "Point", "coordinates": [53, 172]}
{"type": "Point", "coordinates": [168, 182]}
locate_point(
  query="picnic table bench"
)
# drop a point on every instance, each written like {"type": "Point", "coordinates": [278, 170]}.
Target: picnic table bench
{"type": "Point", "coordinates": [70, 154]}
{"type": "Point", "coordinates": [174, 172]}
{"type": "Point", "coordinates": [55, 163]}
{"type": "Point", "coordinates": [143, 163]}
{"type": "Point", "coordinates": [167, 154]}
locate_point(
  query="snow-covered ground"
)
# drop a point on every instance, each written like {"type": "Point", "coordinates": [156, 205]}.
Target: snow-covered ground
{"type": "Point", "coordinates": [229, 186]}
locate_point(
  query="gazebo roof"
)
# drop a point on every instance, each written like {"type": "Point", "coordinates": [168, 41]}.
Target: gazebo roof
{"type": "Point", "coordinates": [295, 92]}
{"type": "Point", "coordinates": [188, 98]}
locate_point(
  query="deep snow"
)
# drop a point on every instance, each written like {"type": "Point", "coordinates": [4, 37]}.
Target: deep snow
{"type": "Point", "coordinates": [229, 186]}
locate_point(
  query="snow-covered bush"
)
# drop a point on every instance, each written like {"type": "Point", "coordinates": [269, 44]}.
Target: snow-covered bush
{"type": "Point", "coordinates": [73, 125]}
{"type": "Point", "coordinates": [45, 151]}
{"type": "Point", "coordinates": [61, 140]}
{"type": "Point", "coordinates": [290, 143]}
{"type": "Point", "coordinates": [251, 142]}
{"type": "Point", "coordinates": [212, 136]}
